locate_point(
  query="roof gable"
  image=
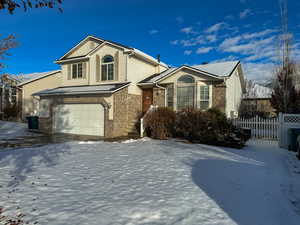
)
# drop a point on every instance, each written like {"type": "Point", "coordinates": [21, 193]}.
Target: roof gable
{"type": "Point", "coordinates": [169, 72]}
{"type": "Point", "coordinates": [83, 48]}
{"type": "Point", "coordinates": [28, 78]}
{"type": "Point", "coordinates": [222, 69]}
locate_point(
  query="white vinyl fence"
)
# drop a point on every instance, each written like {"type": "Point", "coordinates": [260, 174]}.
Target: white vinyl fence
{"type": "Point", "coordinates": [260, 127]}
{"type": "Point", "coordinates": [287, 121]}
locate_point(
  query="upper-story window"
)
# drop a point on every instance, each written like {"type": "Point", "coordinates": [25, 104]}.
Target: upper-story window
{"type": "Point", "coordinates": [77, 70]}
{"type": "Point", "coordinates": [107, 68]}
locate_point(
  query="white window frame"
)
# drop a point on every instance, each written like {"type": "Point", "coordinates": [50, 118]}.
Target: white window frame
{"type": "Point", "coordinates": [77, 71]}
{"type": "Point", "coordinates": [202, 99]}
{"type": "Point", "coordinates": [106, 66]}
{"type": "Point", "coordinates": [186, 85]}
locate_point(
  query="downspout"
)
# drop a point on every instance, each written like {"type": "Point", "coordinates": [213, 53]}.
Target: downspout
{"type": "Point", "coordinates": [165, 89]}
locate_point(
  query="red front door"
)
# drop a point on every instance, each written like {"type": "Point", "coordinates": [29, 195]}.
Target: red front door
{"type": "Point", "coordinates": [147, 99]}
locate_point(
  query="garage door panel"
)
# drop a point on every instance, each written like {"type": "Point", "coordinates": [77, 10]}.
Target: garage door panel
{"type": "Point", "coordinates": [82, 119]}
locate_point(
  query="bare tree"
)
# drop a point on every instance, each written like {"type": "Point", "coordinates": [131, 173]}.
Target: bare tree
{"type": "Point", "coordinates": [285, 93]}
{"type": "Point", "coordinates": [11, 5]}
{"type": "Point", "coordinates": [5, 45]}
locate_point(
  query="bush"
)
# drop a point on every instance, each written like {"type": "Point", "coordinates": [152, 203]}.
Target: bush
{"type": "Point", "coordinates": [159, 124]}
{"type": "Point", "coordinates": [201, 126]}
{"type": "Point", "coordinates": [11, 111]}
{"type": "Point", "coordinates": [206, 127]}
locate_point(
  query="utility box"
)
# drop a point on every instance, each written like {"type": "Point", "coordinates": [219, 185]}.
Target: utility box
{"type": "Point", "coordinates": [293, 134]}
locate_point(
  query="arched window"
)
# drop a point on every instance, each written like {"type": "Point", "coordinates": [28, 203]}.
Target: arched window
{"type": "Point", "coordinates": [107, 68]}
{"type": "Point", "coordinates": [186, 79]}
{"type": "Point", "coordinates": [185, 92]}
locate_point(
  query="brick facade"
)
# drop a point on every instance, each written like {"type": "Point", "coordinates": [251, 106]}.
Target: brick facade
{"type": "Point", "coordinates": [159, 97]}
{"type": "Point", "coordinates": [219, 96]}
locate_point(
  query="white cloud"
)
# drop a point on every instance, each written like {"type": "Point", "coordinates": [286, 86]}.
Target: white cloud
{"type": "Point", "coordinates": [245, 13]}
{"type": "Point", "coordinates": [187, 52]}
{"type": "Point", "coordinates": [228, 58]}
{"type": "Point", "coordinates": [253, 46]}
{"type": "Point", "coordinates": [203, 50]}
{"type": "Point", "coordinates": [153, 32]}
{"type": "Point", "coordinates": [229, 42]}
{"type": "Point", "coordinates": [211, 38]}
{"type": "Point", "coordinates": [259, 71]}
{"type": "Point", "coordinates": [258, 34]}
{"type": "Point", "coordinates": [216, 27]}
{"type": "Point", "coordinates": [193, 41]}
{"type": "Point", "coordinates": [175, 42]}
{"type": "Point", "coordinates": [188, 30]}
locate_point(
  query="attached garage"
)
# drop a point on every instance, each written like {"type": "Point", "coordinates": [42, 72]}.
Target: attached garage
{"type": "Point", "coordinates": [79, 119]}
{"type": "Point", "coordinates": [93, 110]}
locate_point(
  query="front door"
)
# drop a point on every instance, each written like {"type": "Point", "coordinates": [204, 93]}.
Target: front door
{"type": "Point", "coordinates": [147, 99]}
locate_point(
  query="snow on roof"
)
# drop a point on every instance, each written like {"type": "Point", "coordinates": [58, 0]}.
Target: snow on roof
{"type": "Point", "coordinates": [26, 78]}
{"type": "Point", "coordinates": [148, 56]}
{"type": "Point", "coordinates": [254, 90]}
{"type": "Point", "coordinates": [220, 69]}
{"type": "Point", "coordinates": [101, 89]}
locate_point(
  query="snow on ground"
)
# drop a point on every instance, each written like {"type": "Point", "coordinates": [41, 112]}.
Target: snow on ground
{"type": "Point", "coordinates": [9, 130]}
{"type": "Point", "coordinates": [148, 182]}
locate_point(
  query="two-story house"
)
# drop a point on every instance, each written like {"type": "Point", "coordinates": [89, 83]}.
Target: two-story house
{"type": "Point", "coordinates": [106, 85]}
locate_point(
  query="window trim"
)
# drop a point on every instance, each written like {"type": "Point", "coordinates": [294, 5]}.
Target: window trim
{"type": "Point", "coordinates": [180, 84]}
{"type": "Point", "coordinates": [203, 99]}
{"type": "Point", "coordinates": [106, 70]}
{"type": "Point", "coordinates": [77, 71]}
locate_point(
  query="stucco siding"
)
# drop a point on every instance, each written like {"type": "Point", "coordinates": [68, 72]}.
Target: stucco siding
{"type": "Point", "coordinates": [233, 94]}
{"type": "Point", "coordinates": [74, 82]}
{"type": "Point", "coordinates": [83, 49]}
{"type": "Point", "coordinates": [30, 103]}
{"type": "Point", "coordinates": [138, 70]}
{"type": "Point", "coordinates": [120, 59]}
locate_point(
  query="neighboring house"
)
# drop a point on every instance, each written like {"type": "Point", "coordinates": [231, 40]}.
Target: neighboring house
{"type": "Point", "coordinates": [33, 83]}
{"type": "Point", "coordinates": [105, 86]}
{"type": "Point", "coordinates": [8, 92]}
{"type": "Point", "coordinates": [257, 100]}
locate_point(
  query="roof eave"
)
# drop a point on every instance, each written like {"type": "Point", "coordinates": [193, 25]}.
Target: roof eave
{"type": "Point", "coordinates": [38, 78]}
{"type": "Point", "coordinates": [72, 59]}
{"type": "Point", "coordinates": [83, 92]}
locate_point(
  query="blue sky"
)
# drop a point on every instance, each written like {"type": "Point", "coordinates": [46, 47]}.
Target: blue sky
{"type": "Point", "coordinates": [182, 32]}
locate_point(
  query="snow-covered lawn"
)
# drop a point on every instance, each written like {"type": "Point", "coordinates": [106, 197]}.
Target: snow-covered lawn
{"type": "Point", "coordinates": [148, 182]}
{"type": "Point", "coordinates": [9, 130]}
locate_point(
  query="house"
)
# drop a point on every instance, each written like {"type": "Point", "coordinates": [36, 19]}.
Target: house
{"type": "Point", "coordinates": [8, 92]}
{"type": "Point", "coordinates": [257, 100]}
{"type": "Point", "coordinates": [105, 86]}
{"type": "Point", "coordinates": [32, 83]}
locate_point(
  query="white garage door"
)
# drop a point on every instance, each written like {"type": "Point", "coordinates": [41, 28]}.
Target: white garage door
{"type": "Point", "coordinates": [82, 119]}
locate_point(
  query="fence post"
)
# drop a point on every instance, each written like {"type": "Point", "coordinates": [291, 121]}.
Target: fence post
{"type": "Point", "coordinates": [280, 128]}
{"type": "Point", "coordinates": [142, 128]}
